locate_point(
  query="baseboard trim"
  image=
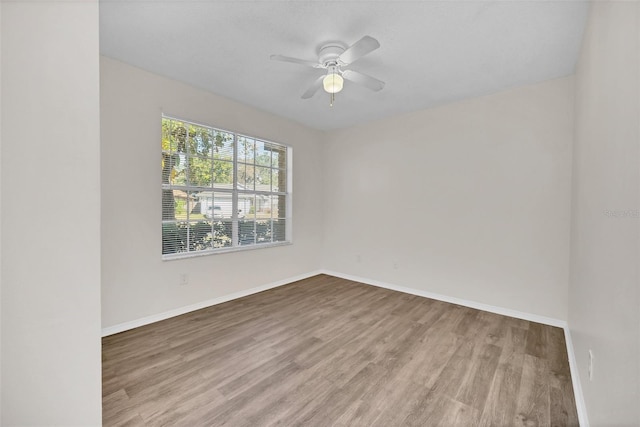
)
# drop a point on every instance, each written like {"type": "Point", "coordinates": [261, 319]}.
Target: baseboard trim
{"type": "Point", "coordinates": [121, 327]}
{"type": "Point", "coordinates": [575, 378]}
{"type": "Point", "coordinates": [453, 300]}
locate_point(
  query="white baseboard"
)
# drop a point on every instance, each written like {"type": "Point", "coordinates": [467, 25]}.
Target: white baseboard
{"type": "Point", "coordinates": [459, 301]}
{"type": "Point", "coordinates": [121, 327]}
{"type": "Point", "coordinates": [575, 378]}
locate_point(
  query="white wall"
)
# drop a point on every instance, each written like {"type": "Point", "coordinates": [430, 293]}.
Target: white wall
{"type": "Point", "coordinates": [135, 281]}
{"type": "Point", "coordinates": [470, 200]}
{"type": "Point", "coordinates": [0, 211]}
{"type": "Point", "coordinates": [604, 306]}
{"type": "Point", "coordinates": [50, 275]}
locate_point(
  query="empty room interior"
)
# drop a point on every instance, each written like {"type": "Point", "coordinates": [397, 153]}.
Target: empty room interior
{"type": "Point", "coordinates": [320, 213]}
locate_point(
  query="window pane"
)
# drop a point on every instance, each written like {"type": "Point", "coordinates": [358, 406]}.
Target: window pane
{"type": "Point", "coordinates": [278, 180]}
{"type": "Point", "coordinates": [200, 236]}
{"type": "Point", "coordinates": [263, 231]}
{"type": "Point", "coordinates": [168, 205]}
{"type": "Point", "coordinates": [279, 156]}
{"type": "Point", "coordinates": [181, 204]}
{"type": "Point", "coordinates": [174, 169]}
{"type": "Point", "coordinates": [201, 205]}
{"type": "Point", "coordinates": [246, 231]}
{"type": "Point", "coordinates": [246, 206]}
{"type": "Point", "coordinates": [167, 158]}
{"type": "Point", "coordinates": [222, 232]}
{"type": "Point", "coordinates": [279, 206]}
{"type": "Point", "coordinates": [178, 137]}
{"type": "Point", "coordinates": [246, 176]}
{"type": "Point", "coordinates": [263, 179]}
{"type": "Point", "coordinates": [166, 135]}
{"type": "Point", "coordinates": [223, 205]}
{"type": "Point", "coordinates": [200, 171]}
{"type": "Point", "coordinates": [263, 153]}
{"type": "Point", "coordinates": [222, 174]}
{"type": "Point", "coordinates": [215, 206]}
{"type": "Point", "coordinates": [200, 141]}
{"type": "Point", "coordinates": [263, 206]}
{"type": "Point", "coordinates": [246, 149]}
{"type": "Point", "coordinates": [223, 145]}
{"type": "Point", "coordinates": [173, 162]}
{"type": "Point", "coordinates": [171, 241]}
{"type": "Point", "coordinates": [279, 229]}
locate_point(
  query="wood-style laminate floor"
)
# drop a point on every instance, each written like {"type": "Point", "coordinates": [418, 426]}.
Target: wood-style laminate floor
{"type": "Point", "coordinates": [330, 352]}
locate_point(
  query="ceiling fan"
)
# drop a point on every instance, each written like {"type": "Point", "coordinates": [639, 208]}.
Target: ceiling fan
{"type": "Point", "coordinates": [336, 59]}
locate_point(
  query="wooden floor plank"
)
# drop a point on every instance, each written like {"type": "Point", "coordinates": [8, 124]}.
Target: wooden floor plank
{"type": "Point", "coordinates": [327, 351]}
{"type": "Point", "coordinates": [536, 340]}
{"type": "Point", "coordinates": [533, 407]}
{"type": "Point", "coordinates": [500, 408]}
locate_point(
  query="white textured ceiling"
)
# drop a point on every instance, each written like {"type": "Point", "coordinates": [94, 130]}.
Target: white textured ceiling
{"type": "Point", "coordinates": [432, 52]}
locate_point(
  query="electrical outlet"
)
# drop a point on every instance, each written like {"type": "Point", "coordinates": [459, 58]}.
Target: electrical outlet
{"type": "Point", "coordinates": [395, 265]}
{"type": "Point", "coordinates": [184, 279]}
{"type": "Point", "coordinates": [358, 258]}
{"type": "Point", "coordinates": [590, 365]}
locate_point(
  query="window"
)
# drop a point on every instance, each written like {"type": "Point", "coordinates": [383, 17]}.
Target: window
{"type": "Point", "coordinates": [221, 191]}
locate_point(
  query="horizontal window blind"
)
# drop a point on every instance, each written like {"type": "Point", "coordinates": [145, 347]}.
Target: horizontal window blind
{"type": "Point", "coordinates": [221, 191]}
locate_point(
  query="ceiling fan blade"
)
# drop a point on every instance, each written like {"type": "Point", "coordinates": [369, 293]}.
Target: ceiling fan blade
{"type": "Point", "coordinates": [314, 88]}
{"type": "Point", "coordinates": [359, 49]}
{"type": "Point", "coordinates": [295, 61]}
{"type": "Point", "coordinates": [363, 80]}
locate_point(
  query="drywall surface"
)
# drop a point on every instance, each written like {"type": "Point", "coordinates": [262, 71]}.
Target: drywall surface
{"type": "Point", "coordinates": [470, 200]}
{"type": "Point", "coordinates": [0, 211]}
{"type": "Point", "coordinates": [604, 309]}
{"type": "Point", "coordinates": [136, 282]}
{"type": "Point", "coordinates": [51, 372]}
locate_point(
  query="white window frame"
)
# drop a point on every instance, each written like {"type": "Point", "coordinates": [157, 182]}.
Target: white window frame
{"type": "Point", "coordinates": [236, 246]}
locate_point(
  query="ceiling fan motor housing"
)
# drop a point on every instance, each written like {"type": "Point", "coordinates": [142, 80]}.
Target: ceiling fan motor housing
{"type": "Point", "coordinates": [329, 53]}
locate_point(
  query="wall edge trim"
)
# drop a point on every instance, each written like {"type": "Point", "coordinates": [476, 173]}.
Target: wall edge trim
{"type": "Point", "coordinates": [575, 379]}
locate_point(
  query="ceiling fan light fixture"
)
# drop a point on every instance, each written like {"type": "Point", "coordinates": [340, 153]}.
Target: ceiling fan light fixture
{"type": "Point", "coordinates": [333, 83]}
{"type": "Point", "coordinates": [333, 57]}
